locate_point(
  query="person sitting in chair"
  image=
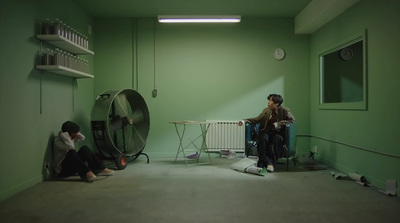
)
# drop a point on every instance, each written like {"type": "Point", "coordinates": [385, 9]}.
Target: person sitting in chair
{"type": "Point", "coordinates": [67, 161]}
{"type": "Point", "coordinates": [271, 120]}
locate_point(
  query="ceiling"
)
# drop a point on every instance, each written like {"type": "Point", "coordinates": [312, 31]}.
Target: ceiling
{"type": "Point", "coordinates": [153, 8]}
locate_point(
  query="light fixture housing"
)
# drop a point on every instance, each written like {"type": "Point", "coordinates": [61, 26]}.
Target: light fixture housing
{"type": "Point", "coordinates": [199, 18]}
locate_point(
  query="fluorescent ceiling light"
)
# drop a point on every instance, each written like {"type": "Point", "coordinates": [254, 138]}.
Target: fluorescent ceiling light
{"type": "Point", "coordinates": [198, 19]}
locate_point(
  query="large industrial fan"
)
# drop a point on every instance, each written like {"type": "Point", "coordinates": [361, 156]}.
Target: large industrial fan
{"type": "Point", "coordinates": [120, 125]}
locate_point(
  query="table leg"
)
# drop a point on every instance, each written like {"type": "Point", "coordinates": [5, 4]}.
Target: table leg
{"type": "Point", "coordinates": [204, 129]}
{"type": "Point", "coordinates": [180, 136]}
{"type": "Point", "coordinates": [202, 137]}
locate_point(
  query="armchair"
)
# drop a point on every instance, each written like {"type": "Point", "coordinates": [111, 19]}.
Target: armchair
{"type": "Point", "coordinates": [289, 142]}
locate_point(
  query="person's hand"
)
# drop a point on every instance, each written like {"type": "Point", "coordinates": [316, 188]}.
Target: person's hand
{"type": "Point", "coordinates": [67, 139]}
{"type": "Point", "coordinates": [241, 122]}
{"type": "Point", "coordinates": [79, 137]}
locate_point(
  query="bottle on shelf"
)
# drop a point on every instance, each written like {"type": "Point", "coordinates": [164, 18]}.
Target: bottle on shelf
{"type": "Point", "coordinates": [85, 42]}
{"type": "Point", "coordinates": [72, 35]}
{"type": "Point", "coordinates": [81, 40]}
{"type": "Point", "coordinates": [86, 66]}
{"type": "Point", "coordinates": [69, 33]}
{"type": "Point", "coordinates": [65, 56]}
{"type": "Point", "coordinates": [61, 58]}
{"type": "Point", "coordinates": [78, 38]}
{"type": "Point", "coordinates": [75, 62]}
{"type": "Point", "coordinates": [46, 26]}
{"type": "Point", "coordinates": [56, 57]}
{"type": "Point", "coordinates": [47, 57]}
{"type": "Point", "coordinates": [70, 60]}
{"type": "Point", "coordinates": [59, 54]}
{"type": "Point", "coordinates": [58, 27]}
{"type": "Point", "coordinates": [65, 30]}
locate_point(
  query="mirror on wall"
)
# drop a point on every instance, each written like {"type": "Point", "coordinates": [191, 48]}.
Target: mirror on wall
{"type": "Point", "coordinates": [343, 79]}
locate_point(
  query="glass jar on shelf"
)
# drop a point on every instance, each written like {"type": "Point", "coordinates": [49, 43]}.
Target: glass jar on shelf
{"type": "Point", "coordinates": [58, 27]}
{"type": "Point", "coordinates": [47, 26]}
{"type": "Point", "coordinates": [47, 57]}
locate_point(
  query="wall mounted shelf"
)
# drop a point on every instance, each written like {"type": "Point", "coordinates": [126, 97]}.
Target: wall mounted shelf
{"type": "Point", "coordinates": [64, 43]}
{"type": "Point", "coordinates": [63, 60]}
{"type": "Point", "coordinates": [64, 71]}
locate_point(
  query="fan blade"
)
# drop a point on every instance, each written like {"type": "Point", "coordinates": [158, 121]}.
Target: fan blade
{"type": "Point", "coordinates": [127, 121]}
{"type": "Point", "coordinates": [123, 108]}
{"type": "Point", "coordinates": [136, 141]}
{"type": "Point", "coordinates": [139, 135]}
{"type": "Point", "coordinates": [137, 117]}
{"type": "Point", "coordinates": [128, 135]}
{"type": "Point", "coordinates": [120, 138]}
{"type": "Point", "coordinates": [133, 144]}
{"type": "Point", "coordinates": [115, 123]}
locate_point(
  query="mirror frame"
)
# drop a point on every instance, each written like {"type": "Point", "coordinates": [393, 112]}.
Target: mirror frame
{"type": "Point", "coordinates": [362, 105]}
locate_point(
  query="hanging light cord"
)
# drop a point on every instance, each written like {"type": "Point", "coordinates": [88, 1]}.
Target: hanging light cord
{"type": "Point", "coordinates": [154, 53]}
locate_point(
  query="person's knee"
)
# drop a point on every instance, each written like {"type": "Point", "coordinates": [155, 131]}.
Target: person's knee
{"type": "Point", "coordinates": [277, 139]}
{"type": "Point", "coordinates": [72, 151]}
{"type": "Point", "coordinates": [85, 148]}
{"type": "Point", "coordinates": [85, 151]}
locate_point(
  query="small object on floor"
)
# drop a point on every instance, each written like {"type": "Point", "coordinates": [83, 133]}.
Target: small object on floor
{"type": "Point", "coordinates": [306, 159]}
{"type": "Point", "coordinates": [227, 153]}
{"type": "Point", "coordinates": [223, 153]}
{"type": "Point", "coordinates": [357, 177]}
{"type": "Point", "coordinates": [391, 188]}
{"type": "Point", "coordinates": [339, 176]}
{"type": "Point", "coordinates": [270, 168]}
{"type": "Point", "coordinates": [247, 165]}
{"type": "Point", "coordinates": [193, 156]}
{"type": "Point", "coordinates": [231, 154]}
{"type": "Point", "coordinates": [365, 184]}
{"type": "Point", "coordinates": [106, 172]}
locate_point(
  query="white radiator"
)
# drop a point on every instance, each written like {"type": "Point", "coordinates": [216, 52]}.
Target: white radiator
{"type": "Point", "coordinates": [225, 135]}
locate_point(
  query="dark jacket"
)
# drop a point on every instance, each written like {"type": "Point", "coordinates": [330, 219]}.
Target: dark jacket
{"type": "Point", "coordinates": [284, 117]}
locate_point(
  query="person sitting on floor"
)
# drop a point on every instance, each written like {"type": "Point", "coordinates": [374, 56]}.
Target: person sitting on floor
{"type": "Point", "coordinates": [67, 161]}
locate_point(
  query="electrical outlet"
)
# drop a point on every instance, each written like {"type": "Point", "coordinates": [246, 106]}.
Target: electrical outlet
{"type": "Point", "coordinates": [315, 149]}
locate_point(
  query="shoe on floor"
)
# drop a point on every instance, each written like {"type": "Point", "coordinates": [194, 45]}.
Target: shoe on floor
{"type": "Point", "coordinates": [263, 171]}
{"type": "Point", "coordinates": [270, 168]}
{"type": "Point", "coordinates": [106, 172]}
{"type": "Point", "coordinates": [193, 156]}
{"type": "Point", "coordinates": [90, 176]}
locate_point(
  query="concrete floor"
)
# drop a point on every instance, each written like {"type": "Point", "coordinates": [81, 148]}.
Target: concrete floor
{"type": "Point", "coordinates": [164, 191]}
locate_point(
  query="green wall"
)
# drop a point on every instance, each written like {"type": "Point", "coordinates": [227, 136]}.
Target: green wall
{"type": "Point", "coordinates": [34, 105]}
{"type": "Point", "coordinates": [373, 148]}
{"type": "Point", "coordinates": [202, 71]}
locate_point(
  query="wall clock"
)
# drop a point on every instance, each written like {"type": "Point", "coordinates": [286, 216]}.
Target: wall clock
{"type": "Point", "coordinates": [279, 54]}
{"type": "Point", "coordinates": [346, 54]}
